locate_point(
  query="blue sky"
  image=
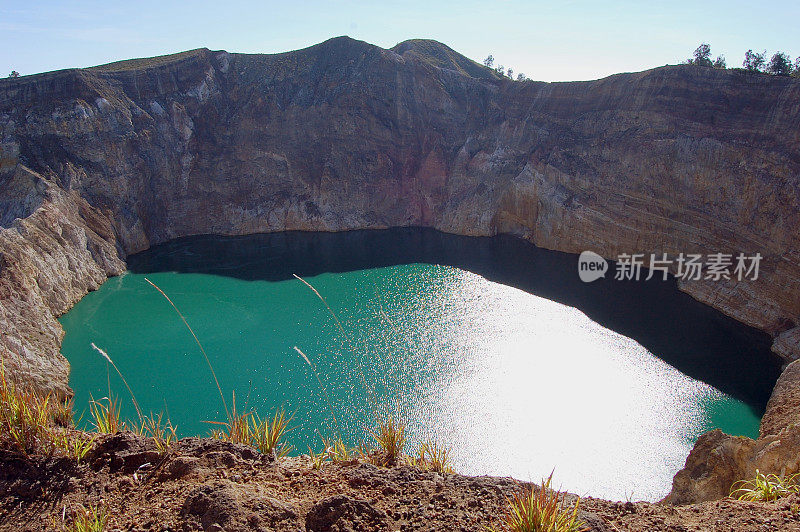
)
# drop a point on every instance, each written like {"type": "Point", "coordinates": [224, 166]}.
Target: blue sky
{"type": "Point", "coordinates": [550, 41]}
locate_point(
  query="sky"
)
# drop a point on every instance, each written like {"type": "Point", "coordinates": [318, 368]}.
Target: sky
{"type": "Point", "coordinates": [548, 41]}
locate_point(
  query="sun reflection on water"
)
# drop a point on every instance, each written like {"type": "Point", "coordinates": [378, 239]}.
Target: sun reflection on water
{"type": "Point", "coordinates": [534, 385]}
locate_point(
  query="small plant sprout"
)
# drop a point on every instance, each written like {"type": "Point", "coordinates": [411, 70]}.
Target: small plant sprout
{"type": "Point", "coordinates": [542, 510]}
{"type": "Point", "coordinates": [88, 519]}
{"type": "Point", "coordinates": [765, 487]}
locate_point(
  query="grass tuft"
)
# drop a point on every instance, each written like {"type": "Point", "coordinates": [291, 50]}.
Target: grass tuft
{"type": "Point", "coordinates": [236, 429]}
{"type": "Point", "coordinates": [267, 435]}
{"type": "Point", "coordinates": [73, 445]}
{"type": "Point", "coordinates": [25, 418]}
{"type": "Point", "coordinates": [765, 487]}
{"type": "Point", "coordinates": [31, 423]}
{"type": "Point", "coordinates": [390, 436]}
{"type": "Point", "coordinates": [338, 451]}
{"type": "Point", "coordinates": [62, 412]}
{"type": "Point", "coordinates": [162, 431]}
{"type": "Point", "coordinates": [249, 429]}
{"type": "Point", "coordinates": [434, 457]}
{"type": "Point", "coordinates": [105, 415]}
{"type": "Point", "coordinates": [542, 510]}
{"type": "Point", "coordinates": [317, 459]}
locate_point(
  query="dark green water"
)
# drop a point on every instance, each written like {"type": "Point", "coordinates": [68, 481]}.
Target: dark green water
{"type": "Point", "coordinates": [490, 345]}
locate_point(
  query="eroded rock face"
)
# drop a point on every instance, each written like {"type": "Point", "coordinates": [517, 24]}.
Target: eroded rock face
{"type": "Point", "coordinates": [787, 345]}
{"type": "Point", "coordinates": [783, 408]}
{"type": "Point", "coordinates": [48, 261]}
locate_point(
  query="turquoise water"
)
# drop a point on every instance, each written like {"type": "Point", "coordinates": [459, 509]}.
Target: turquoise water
{"type": "Point", "coordinates": [515, 383]}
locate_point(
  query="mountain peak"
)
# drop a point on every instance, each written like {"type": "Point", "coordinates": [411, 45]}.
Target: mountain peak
{"type": "Point", "coordinates": [442, 56]}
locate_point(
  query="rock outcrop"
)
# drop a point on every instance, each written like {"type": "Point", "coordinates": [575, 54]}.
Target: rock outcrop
{"type": "Point", "coordinates": [719, 460]}
{"type": "Point", "coordinates": [99, 163]}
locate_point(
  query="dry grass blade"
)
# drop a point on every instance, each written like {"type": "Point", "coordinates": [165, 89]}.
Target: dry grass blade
{"type": "Point", "coordinates": [369, 390]}
{"type": "Point", "coordinates": [335, 317]}
{"type": "Point", "coordinates": [324, 391]}
{"type": "Point", "coordinates": [121, 376]}
{"type": "Point", "coordinates": [208, 361]}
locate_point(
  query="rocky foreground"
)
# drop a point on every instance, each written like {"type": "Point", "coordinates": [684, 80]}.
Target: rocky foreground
{"type": "Point", "coordinates": [205, 484]}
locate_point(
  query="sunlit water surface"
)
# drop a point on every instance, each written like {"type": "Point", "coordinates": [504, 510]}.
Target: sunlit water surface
{"type": "Point", "coordinates": [514, 383]}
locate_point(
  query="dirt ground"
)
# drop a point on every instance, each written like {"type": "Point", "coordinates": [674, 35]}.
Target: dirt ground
{"type": "Point", "coordinates": [205, 484]}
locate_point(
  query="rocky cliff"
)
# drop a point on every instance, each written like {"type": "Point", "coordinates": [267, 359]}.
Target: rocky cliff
{"type": "Point", "coordinates": [102, 162]}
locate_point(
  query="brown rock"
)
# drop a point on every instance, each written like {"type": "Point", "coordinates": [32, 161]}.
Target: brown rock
{"type": "Point", "coordinates": [714, 464]}
{"type": "Point", "coordinates": [125, 451]}
{"type": "Point", "coordinates": [718, 460]}
{"type": "Point", "coordinates": [787, 345]}
{"type": "Point", "coordinates": [341, 513]}
{"type": "Point", "coordinates": [783, 408]}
